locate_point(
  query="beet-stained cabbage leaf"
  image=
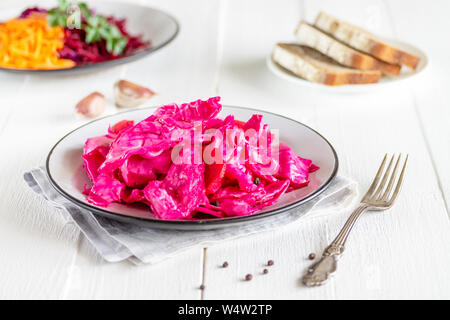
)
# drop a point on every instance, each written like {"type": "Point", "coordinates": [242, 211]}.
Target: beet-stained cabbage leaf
{"type": "Point", "coordinates": [142, 163]}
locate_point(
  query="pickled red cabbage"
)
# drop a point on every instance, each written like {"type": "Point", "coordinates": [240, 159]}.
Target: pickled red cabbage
{"type": "Point", "coordinates": [183, 161]}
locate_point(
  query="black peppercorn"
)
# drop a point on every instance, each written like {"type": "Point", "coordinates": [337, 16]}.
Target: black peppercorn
{"type": "Point", "coordinates": [257, 181]}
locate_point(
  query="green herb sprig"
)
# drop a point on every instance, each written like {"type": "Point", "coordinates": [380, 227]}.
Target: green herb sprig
{"type": "Point", "coordinates": [58, 16]}
{"type": "Point", "coordinates": [97, 27]}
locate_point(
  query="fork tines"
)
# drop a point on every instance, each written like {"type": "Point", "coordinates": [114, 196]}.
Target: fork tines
{"type": "Point", "coordinates": [379, 193]}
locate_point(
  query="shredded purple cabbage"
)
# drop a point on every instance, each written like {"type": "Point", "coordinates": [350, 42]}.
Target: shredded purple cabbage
{"type": "Point", "coordinates": [28, 11]}
{"type": "Point", "coordinates": [138, 163]}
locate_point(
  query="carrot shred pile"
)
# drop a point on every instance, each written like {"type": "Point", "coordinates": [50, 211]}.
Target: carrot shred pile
{"type": "Point", "coordinates": [30, 43]}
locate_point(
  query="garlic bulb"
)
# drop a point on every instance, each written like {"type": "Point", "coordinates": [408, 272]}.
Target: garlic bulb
{"type": "Point", "coordinates": [128, 94]}
{"type": "Point", "coordinates": [91, 106]}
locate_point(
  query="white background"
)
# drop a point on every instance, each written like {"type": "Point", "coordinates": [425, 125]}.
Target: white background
{"type": "Point", "coordinates": [221, 50]}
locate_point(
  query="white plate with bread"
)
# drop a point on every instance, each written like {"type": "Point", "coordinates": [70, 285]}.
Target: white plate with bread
{"type": "Point", "coordinates": [339, 56]}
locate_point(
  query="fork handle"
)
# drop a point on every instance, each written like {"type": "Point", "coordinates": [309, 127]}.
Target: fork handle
{"type": "Point", "coordinates": [319, 272]}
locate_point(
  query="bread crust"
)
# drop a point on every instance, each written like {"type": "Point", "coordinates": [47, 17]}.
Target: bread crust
{"type": "Point", "coordinates": [340, 52]}
{"type": "Point", "coordinates": [313, 66]}
{"type": "Point", "coordinates": [364, 41]}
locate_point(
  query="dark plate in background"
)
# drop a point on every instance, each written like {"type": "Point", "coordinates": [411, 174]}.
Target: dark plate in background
{"type": "Point", "coordinates": [154, 25]}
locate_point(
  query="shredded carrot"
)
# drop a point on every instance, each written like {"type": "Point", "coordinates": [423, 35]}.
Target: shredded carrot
{"type": "Point", "coordinates": [30, 43]}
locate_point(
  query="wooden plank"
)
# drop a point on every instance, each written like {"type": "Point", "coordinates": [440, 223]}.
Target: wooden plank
{"type": "Point", "coordinates": [175, 278]}
{"type": "Point", "coordinates": [42, 256]}
{"type": "Point", "coordinates": [36, 244]}
{"type": "Point", "coordinates": [400, 254]}
{"type": "Point", "coordinates": [183, 71]}
{"type": "Point", "coordinates": [431, 95]}
{"type": "Point", "coordinates": [389, 255]}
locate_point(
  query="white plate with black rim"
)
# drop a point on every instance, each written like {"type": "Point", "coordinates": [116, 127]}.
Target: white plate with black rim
{"type": "Point", "coordinates": [155, 26]}
{"type": "Point", "coordinates": [65, 170]}
{"type": "Point", "coordinates": [406, 74]}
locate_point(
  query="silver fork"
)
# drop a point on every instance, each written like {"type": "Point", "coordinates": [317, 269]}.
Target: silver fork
{"type": "Point", "coordinates": [378, 197]}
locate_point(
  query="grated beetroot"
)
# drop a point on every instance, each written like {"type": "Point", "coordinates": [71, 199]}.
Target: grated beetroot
{"type": "Point", "coordinates": [76, 49]}
{"type": "Point", "coordinates": [29, 11]}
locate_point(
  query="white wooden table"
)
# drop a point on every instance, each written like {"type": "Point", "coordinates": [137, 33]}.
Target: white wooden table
{"type": "Point", "coordinates": [221, 50]}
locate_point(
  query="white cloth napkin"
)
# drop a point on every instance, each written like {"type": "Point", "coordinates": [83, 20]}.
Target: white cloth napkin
{"type": "Point", "coordinates": [117, 241]}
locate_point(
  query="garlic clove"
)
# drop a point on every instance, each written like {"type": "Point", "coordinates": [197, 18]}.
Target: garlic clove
{"type": "Point", "coordinates": [128, 94]}
{"type": "Point", "coordinates": [91, 106]}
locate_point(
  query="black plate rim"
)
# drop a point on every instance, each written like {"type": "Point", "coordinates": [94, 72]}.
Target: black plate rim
{"type": "Point", "coordinates": [109, 63]}
{"type": "Point", "coordinates": [206, 224]}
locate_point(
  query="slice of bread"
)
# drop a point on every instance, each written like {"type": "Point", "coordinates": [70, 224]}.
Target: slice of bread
{"type": "Point", "coordinates": [316, 67]}
{"type": "Point", "coordinates": [340, 52]}
{"type": "Point", "coordinates": [364, 41]}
